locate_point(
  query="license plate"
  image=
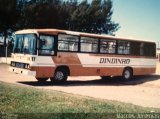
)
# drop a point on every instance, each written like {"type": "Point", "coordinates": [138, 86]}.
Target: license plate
{"type": "Point", "coordinates": [18, 70]}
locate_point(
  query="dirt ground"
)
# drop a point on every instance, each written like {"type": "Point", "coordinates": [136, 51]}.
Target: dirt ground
{"type": "Point", "coordinates": [143, 90]}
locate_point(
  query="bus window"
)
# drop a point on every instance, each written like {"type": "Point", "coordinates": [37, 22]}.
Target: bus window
{"type": "Point", "coordinates": [46, 45]}
{"type": "Point", "coordinates": [135, 48]}
{"type": "Point", "coordinates": [107, 46]}
{"type": "Point", "coordinates": [25, 43]}
{"type": "Point", "coordinates": [123, 47]}
{"type": "Point", "coordinates": [67, 42]}
{"type": "Point", "coordinates": [18, 44]}
{"type": "Point", "coordinates": [89, 44]}
{"type": "Point", "coordinates": [149, 49]}
{"type": "Point", "coordinates": [142, 49]}
{"type": "Point", "coordinates": [29, 46]}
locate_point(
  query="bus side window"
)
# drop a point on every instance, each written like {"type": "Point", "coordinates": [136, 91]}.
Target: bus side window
{"type": "Point", "coordinates": [107, 46]}
{"type": "Point", "coordinates": [149, 49]}
{"type": "Point", "coordinates": [123, 47]}
{"type": "Point", "coordinates": [67, 42]}
{"type": "Point", "coordinates": [46, 45]}
{"type": "Point", "coordinates": [73, 46]}
{"type": "Point", "coordinates": [89, 44]}
{"type": "Point", "coordinates": [142, 49]}
{"type": "Point", "coordinates": [135, 48]}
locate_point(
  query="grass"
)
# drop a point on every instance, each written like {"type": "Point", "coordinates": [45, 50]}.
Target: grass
{"type": "Point", "coordinates": [38, 103]}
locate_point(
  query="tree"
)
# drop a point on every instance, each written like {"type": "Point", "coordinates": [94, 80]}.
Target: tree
{"type": "Point", "coordinates": [43, 14]}
{"type": "Point", "coordinates": [79, 20]}
{"type": "Point", "coordinates": [94, 17]}
{"type": "Point", "coordinates": [8, 16]}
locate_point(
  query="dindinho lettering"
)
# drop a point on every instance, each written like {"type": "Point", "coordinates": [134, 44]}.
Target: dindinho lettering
{"type": "Point", "coordinates": [114, 61]}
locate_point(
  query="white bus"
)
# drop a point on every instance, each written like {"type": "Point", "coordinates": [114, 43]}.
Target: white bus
{"type": "Point", "coordinates": [57, 54]}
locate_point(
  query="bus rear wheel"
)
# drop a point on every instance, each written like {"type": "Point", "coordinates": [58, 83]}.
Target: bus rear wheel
{"type": "Point", "coordinates": [127, 74]}
{"type": "Point", "coordinates": [42, 79]}
{"type": "Point", "coordinates": [60, 76]}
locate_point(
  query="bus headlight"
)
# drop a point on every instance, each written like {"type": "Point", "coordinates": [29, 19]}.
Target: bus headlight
{"type": "Point", "coordinates": [27, 66]}
{"type": "Point", "coordinates": [13, 64]}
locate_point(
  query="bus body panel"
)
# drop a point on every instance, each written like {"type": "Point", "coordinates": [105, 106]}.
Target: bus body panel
{"type": "Point", "coordinates": [81, 64]}
{"type": "Point", "coordinates": [91, 65]}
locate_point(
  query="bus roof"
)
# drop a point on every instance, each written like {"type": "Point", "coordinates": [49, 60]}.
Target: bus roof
{"type": "Point", "coordinates": [58, 31]}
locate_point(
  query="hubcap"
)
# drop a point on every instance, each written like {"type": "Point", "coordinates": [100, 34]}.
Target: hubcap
{"type": "Point", "coordinates": [59, 75]}
{"type": "Point", "coordinates": [127, 74]}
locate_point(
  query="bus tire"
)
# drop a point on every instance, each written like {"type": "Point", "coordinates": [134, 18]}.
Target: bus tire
{"type": "Point", "coordinates": [60, 76]}
{"type": "Point", "coordinates": [127, 74]}
{"type": "Point", "coordinates": [42, 79]}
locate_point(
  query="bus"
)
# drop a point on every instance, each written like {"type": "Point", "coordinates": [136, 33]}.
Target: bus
{"type": "Point", "coordinates": [56, 54]}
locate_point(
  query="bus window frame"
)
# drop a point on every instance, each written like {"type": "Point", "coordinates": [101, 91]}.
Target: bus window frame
{"type": "Point", "coordinates": [54, 48]}
{"type": "Point", "coordinates": [35, 43]}
{"type": "Point", "coordinates": [124, 47]}
{"type": "Point", "coordinates": [23, 35]}
{"type": "Point", "coordinates": [98, 39]}
{"type": "Point", "coordinates": [68, 50]}
{"type": "Point", "coordinates": [98, 50]}
{"type": "Point", "coordinates": [17, 44]}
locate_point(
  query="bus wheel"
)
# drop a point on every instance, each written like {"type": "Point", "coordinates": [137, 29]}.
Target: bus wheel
{"type": "Point", "coordinates": [42, 79]}
{"type": "Point", "coordinates": [60, 76]}
{"type": "Point", "coordinates": [127, 74]}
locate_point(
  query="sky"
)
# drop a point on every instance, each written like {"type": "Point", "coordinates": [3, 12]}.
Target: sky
{"type": "Point", "coordinates": [139, 19]}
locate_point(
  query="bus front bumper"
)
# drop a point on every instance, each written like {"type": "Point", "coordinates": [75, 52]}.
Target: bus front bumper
{"type": "Point", "coordinates": [22, 71]}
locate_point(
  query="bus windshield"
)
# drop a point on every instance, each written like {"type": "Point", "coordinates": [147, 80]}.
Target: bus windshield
{"type": "Point", "coordinates": [25, 43]}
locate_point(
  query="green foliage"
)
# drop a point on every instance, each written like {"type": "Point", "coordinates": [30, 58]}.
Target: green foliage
{"type": "Point", "coordinates": [7, 14]}
{"type": "Point", "coordinates": [8, 17]}
{"type": "Point", "coordinates": [94, 17]}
